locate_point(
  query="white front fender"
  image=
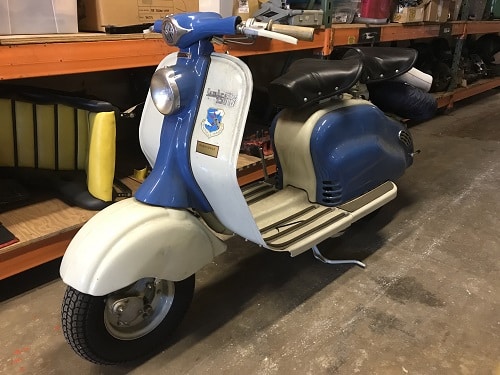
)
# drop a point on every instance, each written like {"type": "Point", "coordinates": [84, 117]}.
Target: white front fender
{"type": "Point", "coordinates": [130, 240]}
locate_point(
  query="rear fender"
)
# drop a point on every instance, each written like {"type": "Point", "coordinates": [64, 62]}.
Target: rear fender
{"type": "Point", "coordinates": [130, 240]}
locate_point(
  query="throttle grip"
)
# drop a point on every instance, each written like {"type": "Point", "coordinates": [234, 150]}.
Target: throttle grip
{"type": "Point", "coordinates": [299, 32]}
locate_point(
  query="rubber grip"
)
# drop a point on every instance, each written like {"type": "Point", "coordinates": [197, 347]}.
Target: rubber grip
{"type": "Point", "coordinates": [299, 32]}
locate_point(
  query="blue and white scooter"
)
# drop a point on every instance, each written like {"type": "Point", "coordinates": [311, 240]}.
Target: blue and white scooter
{"type": "Point", "coordinates": [130, 270]}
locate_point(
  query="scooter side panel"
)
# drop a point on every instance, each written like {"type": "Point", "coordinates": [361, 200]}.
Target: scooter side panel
{"type": "Point", "coordinates": [129, 240]}
{"type": "Point", "coordinates": [152, 120]}
{"type": "Point", "coordinates": [216, 141]}
{"type": "Point", "coordinates": [292, 140]}
{"type": "Point", "coordinates": [367, 152]}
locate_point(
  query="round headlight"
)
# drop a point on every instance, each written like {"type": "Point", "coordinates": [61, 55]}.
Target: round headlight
{"type": "Point", "coordinates": [164, 91]}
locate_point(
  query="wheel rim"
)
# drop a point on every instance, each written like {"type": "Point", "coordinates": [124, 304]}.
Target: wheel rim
{"type": "Point", "coordinates": [135, 311]}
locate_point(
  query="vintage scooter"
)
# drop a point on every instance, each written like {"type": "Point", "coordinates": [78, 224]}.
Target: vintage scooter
{"type": "Point", "coordinates": [130, 269]}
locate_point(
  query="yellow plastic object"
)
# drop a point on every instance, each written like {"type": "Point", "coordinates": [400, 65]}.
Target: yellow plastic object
{"type": "Point", "coordinates": [140, 174]}
{"type": "Point", "coordinates": [101, 155]}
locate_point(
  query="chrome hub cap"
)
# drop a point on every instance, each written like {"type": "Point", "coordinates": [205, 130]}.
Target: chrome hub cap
{"type": "Point", "coordinates": [135, 311]}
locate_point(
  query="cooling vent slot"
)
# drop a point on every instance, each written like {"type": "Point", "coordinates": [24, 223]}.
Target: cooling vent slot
{"type": "Point", "coordinates": [406, 138]}
{"type": "Point", "coordinates": [331, 193]}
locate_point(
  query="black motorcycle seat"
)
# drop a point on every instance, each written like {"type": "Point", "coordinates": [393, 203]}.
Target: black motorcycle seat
{"type": "Point", "coordinates": [380, 63]}
{"type": "Point", "coordinates": [309, 80]}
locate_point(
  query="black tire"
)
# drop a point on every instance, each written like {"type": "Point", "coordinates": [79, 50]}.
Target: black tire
{"type": "Point", "coordinates": [91, 332]}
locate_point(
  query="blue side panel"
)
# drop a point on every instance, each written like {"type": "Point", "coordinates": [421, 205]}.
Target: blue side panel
{"type": "Point", "coordinates": [355, 149]}
{"type": "Point", "coordinates": [171, 182]}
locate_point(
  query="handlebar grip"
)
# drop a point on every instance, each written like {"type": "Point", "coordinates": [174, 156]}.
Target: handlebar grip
{"type": "Point", "coordinates": [269, 34]}
{"type": "Point", "coordinates": [299, 32]}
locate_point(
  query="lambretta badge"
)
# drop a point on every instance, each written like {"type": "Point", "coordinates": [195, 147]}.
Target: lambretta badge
{"type": "Point", "coordinates": [222, 98]}
{"type": "Point", "coordinates": [169, 31]}
{"type": "Point", "coordinates": [212, 125]}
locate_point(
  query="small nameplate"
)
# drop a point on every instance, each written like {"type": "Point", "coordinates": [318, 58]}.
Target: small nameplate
{"type": "Point", "coordinates": [207, 149]}
{"type": "Point", "coordinates": [183, 55]}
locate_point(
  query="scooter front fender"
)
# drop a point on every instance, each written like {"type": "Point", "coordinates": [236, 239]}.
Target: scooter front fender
{"type": "Point", "coordinates": [130, 240]}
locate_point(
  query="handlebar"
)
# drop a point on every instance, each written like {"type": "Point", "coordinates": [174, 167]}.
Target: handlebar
{"type": "Point", "coordinates": [299, 32]}
{"type": "Point", "coordinates": [185, 29]}
{"type": "Point", "coordinates": [250, 31]}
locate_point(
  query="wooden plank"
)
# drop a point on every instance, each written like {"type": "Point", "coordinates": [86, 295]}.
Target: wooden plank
{"type": "Point", "coordinates": [245, 160]}
{"type": "Point", "coordinates": [447, 99]}
{"type": "Point", "coordinates": [41, 220]}
{"type": "Point", "coordinates": [8, 40]}
{"type": "Point", "coordinates": [46, 218]}
{"type": "Point", "coordinates": [262, 46]}
{"type": "Point", "coordinates": [35, 254]}
{"type": "Point", "coordinates": [36, 60]}
{"type": "Point", "coordinates": [348, 34]}
{"type": "Point", "coordinates": [344, 34]}
{"type": "Point", "coordinates": [397, 32]}
{"type": "Point", "coordinates": [255, 174]}
{"type": "Point", "coordinates": [482, 27]}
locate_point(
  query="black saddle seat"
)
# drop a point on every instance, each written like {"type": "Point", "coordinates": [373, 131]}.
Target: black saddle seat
{"type": "Point", "coordinates": [310, 80]}
{"type": "Point", "coordinates": [379, 63]}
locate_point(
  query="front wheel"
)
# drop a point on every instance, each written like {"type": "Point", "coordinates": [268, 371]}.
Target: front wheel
{"type": "Point", "coordinates": [127, 324]}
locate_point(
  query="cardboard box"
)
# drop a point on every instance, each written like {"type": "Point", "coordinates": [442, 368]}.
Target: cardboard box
{"type": "Point", "coordinates": [223, 7]}
{"type": "Point", "coordinates": [437, 11]}
{"type": "Point", "coordinates": [38, 17]}
{"type": "Point", "coordinates": [409, 15]}
{"type": "Point", "coordinates": [151, 10]}
{"type": "Point", "coordinates": [245, 8]}
{"type": "Point", "coordinates": [94, 15]}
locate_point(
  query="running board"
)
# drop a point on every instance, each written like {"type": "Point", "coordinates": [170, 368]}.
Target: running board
{"type": "Point", "coordinates": [257, 191]}
{"type": "Point", "coordinates": [289, 222]}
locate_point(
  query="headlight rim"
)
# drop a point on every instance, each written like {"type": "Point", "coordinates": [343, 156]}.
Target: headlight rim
{"type": "Point", "coordinates": [162, 79]}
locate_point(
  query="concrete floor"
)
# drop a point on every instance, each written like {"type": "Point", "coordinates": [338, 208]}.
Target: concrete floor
{"type": "Point", "coordinates": [428, 302]}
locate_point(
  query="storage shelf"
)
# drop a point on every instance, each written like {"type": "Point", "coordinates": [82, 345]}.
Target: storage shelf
{"type": "Point", "coordinates": [45, 228]}
{"type": "Point", "coordinates": [50, 55]}
{"type": "Point", "coordinates": [54, 55]}
{"type": "Point", "coordinates": [348, 34]}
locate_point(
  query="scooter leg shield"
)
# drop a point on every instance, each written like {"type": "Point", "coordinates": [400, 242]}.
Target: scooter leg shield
{"type": "Point", "coordinates": [129, 240]}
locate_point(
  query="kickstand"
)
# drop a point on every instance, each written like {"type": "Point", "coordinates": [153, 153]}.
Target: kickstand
{"type": "Point", "coordinates": [317, 254]}
{"type": "Point", "coordinates": [264, 165]}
